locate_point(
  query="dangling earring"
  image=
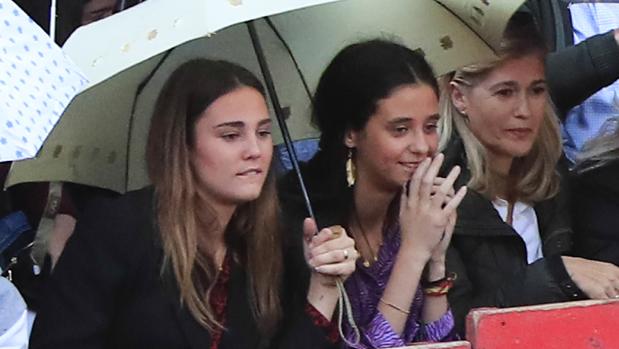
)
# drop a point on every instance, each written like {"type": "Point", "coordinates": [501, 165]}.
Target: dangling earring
{"type": "Point", "coordinates": [350, 169]}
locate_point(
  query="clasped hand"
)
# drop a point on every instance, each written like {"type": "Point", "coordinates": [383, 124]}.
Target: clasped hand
{"type": "Point", "coordinates": [330, 253]}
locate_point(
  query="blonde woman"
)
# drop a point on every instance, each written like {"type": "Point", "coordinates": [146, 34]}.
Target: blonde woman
{"type": "Point", "coordinates": [197, 260]}
{"type": "Point", "coordinates": [513, 226]}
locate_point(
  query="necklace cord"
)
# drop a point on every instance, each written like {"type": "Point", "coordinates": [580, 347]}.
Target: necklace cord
{"type": "Point", "coordinates": [373, 254]}
{"type": "Point", "coordinates": [344, 306]}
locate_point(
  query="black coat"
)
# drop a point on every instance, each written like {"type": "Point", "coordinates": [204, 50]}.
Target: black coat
{"type": "Point", "coordinates": [596, 213]}
{"type": "Point", "coordinates": [592, 64]}
{"type": "Point", "coordinates": [107, 291]}
{"type": "Point", "coordinates": [490, 258]}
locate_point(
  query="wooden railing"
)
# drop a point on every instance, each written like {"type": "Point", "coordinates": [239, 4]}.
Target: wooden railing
{"type": "Point", "coordinates": [573, 325]}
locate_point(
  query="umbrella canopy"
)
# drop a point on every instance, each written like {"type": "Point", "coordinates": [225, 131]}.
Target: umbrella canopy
{"type": "Point", "coordinates": [100, 139]}
{"type": "Point", "coordinates": [37, 82]}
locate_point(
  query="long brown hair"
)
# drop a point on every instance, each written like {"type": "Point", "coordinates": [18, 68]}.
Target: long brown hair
{"type": "Point", "coordinates": [252, 235]}
{"type": "Point", "coordinates": [533, 176]}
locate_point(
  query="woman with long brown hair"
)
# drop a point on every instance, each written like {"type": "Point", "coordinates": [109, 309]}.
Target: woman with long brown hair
{"type": "Point", "coordinates": [198, 259]}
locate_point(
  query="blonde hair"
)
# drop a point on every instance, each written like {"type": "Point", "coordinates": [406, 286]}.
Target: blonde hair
{"type": "Point", "coordinates": [533, 177]}
{"type": "Point", "coordinates": [183, 215]}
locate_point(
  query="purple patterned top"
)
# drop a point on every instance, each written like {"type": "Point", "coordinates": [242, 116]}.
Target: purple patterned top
{"type": "Point", "coordinates": [365, 287]}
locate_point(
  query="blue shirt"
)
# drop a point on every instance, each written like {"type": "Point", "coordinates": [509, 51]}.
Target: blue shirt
{"type": "Point", "coordinates": [586, 120]}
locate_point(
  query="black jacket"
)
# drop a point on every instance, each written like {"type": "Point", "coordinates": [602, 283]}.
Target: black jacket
{"type": "Point", "coordinates": [490, 258]}
{"type": "Point", "coordinates": [596, 213]}
{"type": "Point", "coordinates": [574, 72]}
{"type": "Point", "coordinates": [107, 291]}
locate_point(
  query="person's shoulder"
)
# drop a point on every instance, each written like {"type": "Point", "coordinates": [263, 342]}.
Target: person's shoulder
{"type": "Point", "coordinates": [130, 202]}
{"type": "Point", "coordinates": [476, 208]}
{"type": "Point", "coordinates": [121, 217]}
{"type": "Point", "coordinates": [601, 178]}
{"type": "Point", "coordinates": [139, 196]}
{"type": "Point", "coordinates": [285, 182]}
{"type": "Point", "coordinates": [289, 188]}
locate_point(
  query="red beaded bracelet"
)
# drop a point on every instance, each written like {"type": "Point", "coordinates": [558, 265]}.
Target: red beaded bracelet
{"type": "Point", "coordinates": [439, 287]}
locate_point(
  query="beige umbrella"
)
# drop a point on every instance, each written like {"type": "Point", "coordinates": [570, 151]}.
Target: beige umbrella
{"type": "Point", "coordinates": [100, 139]}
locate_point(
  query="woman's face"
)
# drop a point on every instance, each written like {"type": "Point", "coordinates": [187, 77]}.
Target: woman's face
{"type": "Point", "coordinates": [505, 109]}
{"type": "Point", "coordinates": [233, 147]}
{"type": "Point", "coordinates": [397, 137]}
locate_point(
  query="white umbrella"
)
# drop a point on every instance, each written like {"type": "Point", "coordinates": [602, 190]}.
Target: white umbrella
{"type": "Point", "coordinates": [37, 82]}
{"type": "Point", "coordinates": [127, 57]}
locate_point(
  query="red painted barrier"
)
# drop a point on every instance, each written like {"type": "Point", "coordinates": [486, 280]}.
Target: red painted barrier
{"type": "Point", "coordinates": [573, 325]}
{"type": "Point", "coordinates": [446, 345]}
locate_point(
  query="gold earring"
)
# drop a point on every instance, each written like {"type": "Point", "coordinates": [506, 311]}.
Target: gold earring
{"type": "Point", "coordinates": [465, 117]}
{"type": "Point", "coordinates": [350, 169]}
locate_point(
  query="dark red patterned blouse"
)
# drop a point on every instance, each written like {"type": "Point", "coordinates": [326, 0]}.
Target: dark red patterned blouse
{"type": "Point", "coordinates": [219, 301]}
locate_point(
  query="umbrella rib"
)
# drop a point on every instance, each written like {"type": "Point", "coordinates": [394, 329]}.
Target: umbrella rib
{"type": "Point", "coordinates": [294, 59]}
{"type": "Point", "coordinates": [279, 115]}
{"type": "Point", "coordinates": [135, 102]}
{"type": "Point", "coordinates": [466, 24]}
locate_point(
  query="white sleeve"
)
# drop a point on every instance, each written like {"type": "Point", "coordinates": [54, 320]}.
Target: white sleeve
{"type": "Point", "coordinates": [13, 317]}
{"type": "Point", "coordinates": [16, 336]}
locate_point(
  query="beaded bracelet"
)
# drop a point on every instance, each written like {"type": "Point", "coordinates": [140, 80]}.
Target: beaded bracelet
{"type": "Point", "coordinates": [439, 287]}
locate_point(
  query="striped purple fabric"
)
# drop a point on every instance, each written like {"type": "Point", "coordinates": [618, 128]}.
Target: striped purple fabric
{"type": "Point", "coordinates": [366, 286]}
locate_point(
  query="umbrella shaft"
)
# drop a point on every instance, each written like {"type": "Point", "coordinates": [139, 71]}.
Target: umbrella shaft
{"type": "Point", "coordinates": [279, 115]}
{"type": "Point", "coordinates": [52, 20]}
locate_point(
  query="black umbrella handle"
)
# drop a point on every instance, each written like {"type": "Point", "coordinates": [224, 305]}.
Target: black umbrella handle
{"type": "Point", "coordinates": [279, 115]}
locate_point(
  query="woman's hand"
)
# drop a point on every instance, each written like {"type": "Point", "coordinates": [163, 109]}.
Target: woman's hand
{"type": "Point", "coordinates": [428, 210]}
{"type": "Point", "coordinates": [332, 255]}
{"type": "Point", "coordinates": [598, 280]}
{"type": "Point", "coordinates": [436, 265]}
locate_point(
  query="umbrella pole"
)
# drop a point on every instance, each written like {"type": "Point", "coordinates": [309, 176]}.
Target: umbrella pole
{"type": "Point", "coordinates": [344, 306]}
{"type": "Point", "coordinates": [52, 20]}
{"type": "Point", "coordinates": [279, 115]}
